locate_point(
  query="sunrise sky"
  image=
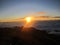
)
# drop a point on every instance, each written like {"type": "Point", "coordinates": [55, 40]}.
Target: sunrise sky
{"type": "Point", "coordinates": [15, 9]}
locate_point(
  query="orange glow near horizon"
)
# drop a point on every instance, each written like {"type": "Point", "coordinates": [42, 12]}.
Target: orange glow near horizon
{"type": "Point", "coordinates": [28, 23]}
{"type": "Point", "coordinates": [28, 19]}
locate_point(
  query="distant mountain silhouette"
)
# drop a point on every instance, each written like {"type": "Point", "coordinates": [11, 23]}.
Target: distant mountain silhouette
{"type": "Point", "coordinates": [56, 17]}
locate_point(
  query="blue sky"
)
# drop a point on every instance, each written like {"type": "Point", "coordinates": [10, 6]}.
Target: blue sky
{"type": "Point", "coordinates": [12, 9]}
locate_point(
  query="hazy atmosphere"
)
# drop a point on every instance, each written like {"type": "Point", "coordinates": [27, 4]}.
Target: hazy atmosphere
{"type": "Point", "coordinates": [16, 9]}
{"type": "Point", "coordinates": [29, 22]}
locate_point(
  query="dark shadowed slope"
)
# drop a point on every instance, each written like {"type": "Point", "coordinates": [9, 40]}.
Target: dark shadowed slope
{"type": "Point", "coordinates": [29, 36]}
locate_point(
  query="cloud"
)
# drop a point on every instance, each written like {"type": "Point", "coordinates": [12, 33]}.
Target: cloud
{"type": "Point", "coordinates": [56, 17]}
{"type": "Point", "coordinates": [40, 12]}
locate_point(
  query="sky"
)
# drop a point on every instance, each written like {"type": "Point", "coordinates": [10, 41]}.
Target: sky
{"type": "Point", "coordinates": [14, 9]}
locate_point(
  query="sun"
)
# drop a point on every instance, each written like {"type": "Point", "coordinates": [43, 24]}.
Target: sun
{"type": "Point", "coordinates": [28, 19]}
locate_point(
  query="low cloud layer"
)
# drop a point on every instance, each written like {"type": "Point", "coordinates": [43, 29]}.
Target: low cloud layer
{"type": "Point", "coordinates": [40, 12]}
